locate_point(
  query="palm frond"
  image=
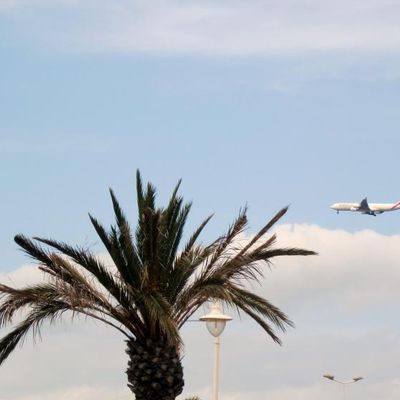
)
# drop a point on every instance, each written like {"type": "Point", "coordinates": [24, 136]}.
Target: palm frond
{"type": "Point", "coordinates": [132, 270]}
{"type": "Point", "coordinates": [146, 204]}
{"type": "Point", "coordinates": [111, 242]}
{"type": "Point", "coordinates": [265, 229]}
{"type": "Point", "coordinates": [248, 266]}
{"type": "Point", "coordinates": [150, 247]}
{"type": "Point", "coordinates": [264, 325]}
{"type": "Point", "coordinates": [185, 267]}
{"type": "Point", "coordinates": [33, 250]}
{"type": "Point", "coordinates": [192, 240]}
{"type": "Point", "coordinates": [15, 300]}
{"type": "Point", "coordinates": [223, 242]}
{"type": "Point", "coordinates": [287, 251]}
{"type": "Point", "coordinates": [89, 262]}
{"type": "Point", "coordinates": [139, 191]}
{"type": "Point", "coordinates": [261, 306]}
{"type": "Point", "coordinates": [49, 310]}
{"type": "Point", "coordinates": [159, 318]}
{"type": "Point", "coordinates": [196, 294]}
{"type": "Point", "coordinates": [175, 235]}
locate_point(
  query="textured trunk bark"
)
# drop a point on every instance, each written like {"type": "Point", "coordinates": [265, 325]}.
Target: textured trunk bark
{"type": "Point", "coordinates": [154, 370]}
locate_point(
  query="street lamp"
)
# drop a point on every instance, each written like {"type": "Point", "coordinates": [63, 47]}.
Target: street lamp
{"type": "Point", "coordinates": [215, 322]}
{"type": "Point", "coordinates": [343, 383]}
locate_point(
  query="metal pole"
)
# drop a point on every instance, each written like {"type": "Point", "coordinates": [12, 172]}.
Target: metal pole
{"type": "Point", "coordinates": [216, 368]}
{"type": "Point", "coordinates": [344, 391]}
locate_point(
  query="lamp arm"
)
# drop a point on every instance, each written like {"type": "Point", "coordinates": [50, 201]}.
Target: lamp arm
{"type": "Point", "coordinates": [344, 382]}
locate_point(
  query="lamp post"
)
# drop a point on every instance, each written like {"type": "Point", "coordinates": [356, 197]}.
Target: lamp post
{"type": "Point", "coordinates": [215, 322]}
{"type": "Point", "coordinates": [343, 383]}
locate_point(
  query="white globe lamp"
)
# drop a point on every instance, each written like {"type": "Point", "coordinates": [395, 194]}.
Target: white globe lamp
{"type": "Point", "coordinates": [215, 322]}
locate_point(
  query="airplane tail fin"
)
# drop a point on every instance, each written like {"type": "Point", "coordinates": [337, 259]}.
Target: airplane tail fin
{"type": "Point", "coordinates": [396, 205]}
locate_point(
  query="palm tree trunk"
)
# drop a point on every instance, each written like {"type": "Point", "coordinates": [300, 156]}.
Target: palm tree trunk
{"type": "Point", "coordinates": [154, 370]}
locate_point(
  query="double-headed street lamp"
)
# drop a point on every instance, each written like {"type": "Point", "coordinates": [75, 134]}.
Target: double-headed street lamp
{"type": "Point", "coordinates": [343, 383]}
{"type": "Point", "coordinates": [215, 322]}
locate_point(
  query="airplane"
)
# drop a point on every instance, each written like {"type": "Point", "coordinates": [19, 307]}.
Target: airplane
{"type": "Point", "coordinates": [364, 208]}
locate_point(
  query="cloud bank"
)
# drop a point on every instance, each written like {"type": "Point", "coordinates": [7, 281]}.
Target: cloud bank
{"type": "Point", "coordinates": [233, 28]}
{"type": "Point", "coordinates": [344, 303]}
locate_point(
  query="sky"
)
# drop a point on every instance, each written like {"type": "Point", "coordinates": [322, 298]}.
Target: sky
{"type": "Point", "coordinates": [264, 103]}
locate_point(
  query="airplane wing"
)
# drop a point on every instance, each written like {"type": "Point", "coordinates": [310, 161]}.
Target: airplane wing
{"type": "Point", "coordinates": [364, 207]}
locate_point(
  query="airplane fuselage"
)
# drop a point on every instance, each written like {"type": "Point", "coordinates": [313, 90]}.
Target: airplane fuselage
{"type": "Point", "coordinates": [366, 208]}
{"type": "Point", "coordinates": [376, 207]}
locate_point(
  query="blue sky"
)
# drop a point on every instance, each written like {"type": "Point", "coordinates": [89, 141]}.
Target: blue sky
{"type": "Point", "coordinates": [263, 103]}
{"type": "Point", "coordinates": [236, 129]}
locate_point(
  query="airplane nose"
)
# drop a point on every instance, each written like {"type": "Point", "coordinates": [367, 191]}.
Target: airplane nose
{"type": "Point", "coordinates": [333, 206]}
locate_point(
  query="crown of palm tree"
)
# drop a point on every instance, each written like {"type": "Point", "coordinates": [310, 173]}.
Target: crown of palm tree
{"type": "Point", "coordinates": [156, 286]}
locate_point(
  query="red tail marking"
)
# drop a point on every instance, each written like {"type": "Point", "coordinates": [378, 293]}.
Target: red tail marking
{"type": "Point", "coordinates": [396, 205]}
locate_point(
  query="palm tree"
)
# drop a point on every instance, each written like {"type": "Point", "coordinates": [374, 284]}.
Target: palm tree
{"type": "Point", "coordinates": [154, 288]}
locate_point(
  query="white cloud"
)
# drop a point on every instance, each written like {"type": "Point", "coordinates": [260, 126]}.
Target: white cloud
{"type": "Point", "coordinates": [27, 274]}
{"type": "Point", "coordinates": [344, 303]}
{"type": "Point", "coordinates": [8, 4]}
{"type": "Point", "coordinates": [221, 27]}
{"type": "Point", "coordinates": [79, 393]}
{"type": "Point", "coordinates": [355, 270]}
